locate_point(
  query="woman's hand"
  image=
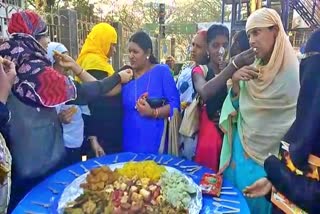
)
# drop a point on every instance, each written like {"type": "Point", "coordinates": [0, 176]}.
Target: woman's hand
{"type": "Point", "coordinates": [65, 116]}
{"type": "Point", "coordinates": [126, 75]}
{"type": "Point", "coordinates": [67, 61]}
{"type": "Point", "coordinates": [245, 58]}
{"type": "Point", "coordinates": [95, 146]}
{"type": "Point", "coordinates": [143, 107]}
{"type": "Point", "coordinates": [7, 78]}
{"type": "Point", "coordinates": [245, 73]}
{"type": "Point", "coordinates": [258, 189]}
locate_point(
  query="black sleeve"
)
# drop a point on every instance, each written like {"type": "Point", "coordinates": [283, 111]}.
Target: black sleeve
{"type": "Point", "coordinates": [303, 136]}
{"type": "Point", "coordinates": [4, 115]}
{"type": "Point", "coordinates": [99, 109]}
{"type": "Point", "coordinates": [302, 191]}
{"type": "Point", "coordinates": [88, 91]}
{"type": "Point", "coordinates": [215, 103]}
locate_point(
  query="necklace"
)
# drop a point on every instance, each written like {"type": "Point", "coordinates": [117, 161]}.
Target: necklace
{"type": "Point", "coordinates": [136, 91]}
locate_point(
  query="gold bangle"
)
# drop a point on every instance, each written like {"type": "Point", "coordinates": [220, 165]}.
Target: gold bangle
{"type": "Point", "coordinates": [157, 112]}
{"type": "Point", "coordinates": [80, 72]}
{"type": "Point", "coordinates": [235, 65]}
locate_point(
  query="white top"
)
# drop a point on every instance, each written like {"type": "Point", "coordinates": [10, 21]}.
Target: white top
{"type": "Point", "coordinates": [74, 131]}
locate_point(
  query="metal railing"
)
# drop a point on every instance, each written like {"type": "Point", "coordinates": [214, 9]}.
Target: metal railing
{"type": "Point", "coordinates": [309, 10]}
{"type": "Point", "coordinates": [299, 37]}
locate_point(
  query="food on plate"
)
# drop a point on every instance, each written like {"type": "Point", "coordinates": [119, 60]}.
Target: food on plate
{"type": "Point", "coordinates": [73, 109]}
{"type": "Point", "coordinates": [55, 52]}
{"type": "Point", "coordinates": [99, 178]}
{"type": "Point", "coordinates": [143, 169]}
{"type": "Point", "coordinates": [177, 190]}
{"type": "Point", "coordinates": [136, 188]}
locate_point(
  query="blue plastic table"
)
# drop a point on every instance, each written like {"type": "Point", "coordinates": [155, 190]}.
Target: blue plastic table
{"type": "Point", "coordinates": [44, 198]}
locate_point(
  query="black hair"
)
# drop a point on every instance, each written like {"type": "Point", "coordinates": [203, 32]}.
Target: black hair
{"type": "Point", "coordinates": [313, 44]}
{"type": "Point", "coordinates": [217, 30]}
{"type": "Point", "coordinates": [242, 38]}
{"type": "Point", "coordinates": [143, 40]}
{"type": "Point", "coordinates": [240, 43]}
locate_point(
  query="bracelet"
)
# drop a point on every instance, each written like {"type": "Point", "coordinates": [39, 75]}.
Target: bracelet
{"type": "Point", "coordinates": [154, 113]}
{"type": "Point", "coordinates": [80, 72]}
{"type": "Point", "coordinates": [235, 65]}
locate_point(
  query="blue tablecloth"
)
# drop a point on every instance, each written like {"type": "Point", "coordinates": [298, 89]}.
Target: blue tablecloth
{"type": "Point", "coordinates": [49, 191]}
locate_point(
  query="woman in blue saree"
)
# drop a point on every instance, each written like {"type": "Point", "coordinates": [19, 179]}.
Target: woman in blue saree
{"type": "Point", "coordinates": [149, 99]}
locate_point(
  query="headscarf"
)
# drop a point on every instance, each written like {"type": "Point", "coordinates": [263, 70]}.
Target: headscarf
{"type": "Point", "coordinates": [55, 46]}
{"type": "Point", "coordinates": [27, 22]}
{"type": "Point", "coordinates": [93, 55]}
{"type": "Point", "coordinates": [37, 83]}
{"type": "Point", "coordinates": [267, 105]}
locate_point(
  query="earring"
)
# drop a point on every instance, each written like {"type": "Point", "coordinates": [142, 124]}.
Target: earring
{"type": "Point", "coordinates": [147, 57]}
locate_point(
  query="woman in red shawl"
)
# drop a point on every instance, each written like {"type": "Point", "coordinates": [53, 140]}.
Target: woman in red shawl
{"type": "Point", "coordinates": [38, 150]}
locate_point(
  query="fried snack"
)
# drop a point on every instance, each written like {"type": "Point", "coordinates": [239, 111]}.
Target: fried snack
{"type": "Point", "coordinates": [73, 109]}
{"type": "Point", "coordinates": [1, 60]}
{"type": "Point", "coordinates": [56, 52]}
{"type": "Point", "coordinates": [99, 178]}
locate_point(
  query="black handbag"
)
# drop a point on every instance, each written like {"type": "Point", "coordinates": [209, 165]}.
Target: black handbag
{"type": "Point", "coordinates": [157, 102]}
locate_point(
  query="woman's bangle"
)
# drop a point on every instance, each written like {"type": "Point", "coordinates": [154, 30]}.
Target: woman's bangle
{"type": "Point", "coordinates": [235, 65]}
{"type": "Point", "coordinates": [80, 72]}
{"type": "Point", "coordinates": [155, 113]}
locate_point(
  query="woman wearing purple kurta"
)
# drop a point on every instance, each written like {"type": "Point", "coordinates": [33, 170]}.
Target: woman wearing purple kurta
{"type": "Point", "coordinates": [148, 100]}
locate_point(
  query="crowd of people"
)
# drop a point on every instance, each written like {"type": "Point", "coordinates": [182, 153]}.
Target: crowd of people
{"type": "Point", "coordinates": [231, 111]}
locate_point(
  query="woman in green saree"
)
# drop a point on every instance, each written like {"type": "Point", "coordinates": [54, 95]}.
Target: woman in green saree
{"type": "Point", "coordinates": [260, 107]}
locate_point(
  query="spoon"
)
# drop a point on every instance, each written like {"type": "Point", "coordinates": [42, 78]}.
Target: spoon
{"type": "Point", "coordinates": [116, 159]}
{"type": "Point", "coordinates": [74, 173]}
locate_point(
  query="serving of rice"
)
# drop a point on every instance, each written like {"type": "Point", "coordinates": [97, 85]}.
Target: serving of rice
{"type": "Point", "coordinates": [144, 169]}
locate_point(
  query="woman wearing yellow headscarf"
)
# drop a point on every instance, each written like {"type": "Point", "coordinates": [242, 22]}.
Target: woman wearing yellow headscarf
{"type": "Point", "coordinates": [261, 106]}
{"type": "Point", "coordinates": [98, 48]}
{"type": "Point", "coordinates": [104, 126]}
